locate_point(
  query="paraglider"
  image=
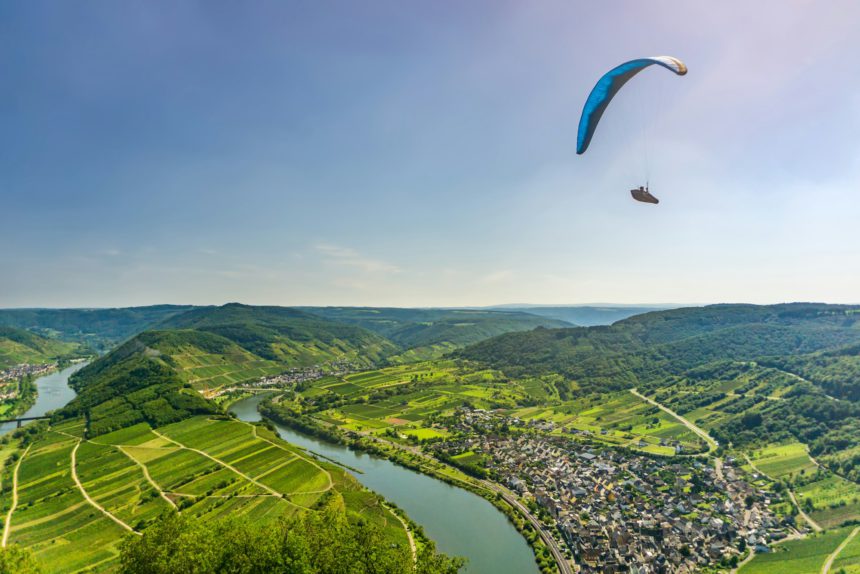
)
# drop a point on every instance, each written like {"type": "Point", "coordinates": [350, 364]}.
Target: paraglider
{"type": "Point", "coordinates": [603, 92]}
{"type": "Point", "coordinates": [642, 194]}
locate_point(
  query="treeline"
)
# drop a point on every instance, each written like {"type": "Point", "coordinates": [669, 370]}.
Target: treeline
{"type": "Point", "coordinates": [323, 542]}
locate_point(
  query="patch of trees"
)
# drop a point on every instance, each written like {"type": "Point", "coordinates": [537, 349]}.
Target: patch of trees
{"type": "Point", "coordinates": [320, 542]}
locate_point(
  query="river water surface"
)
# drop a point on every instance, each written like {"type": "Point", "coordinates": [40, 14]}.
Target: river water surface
{"type": "Point", "coordinates": [460, 522]}
{"type": "Point", "coordinates": [54, 393]}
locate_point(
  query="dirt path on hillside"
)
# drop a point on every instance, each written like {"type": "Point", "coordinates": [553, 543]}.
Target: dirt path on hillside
{"type": "Point", "coordinates": [712, 444]}
{"type": "Point", "coordinates": [87, 496]}
{"type": "Point", "coordinates": [147, 476]}
{"type": "Point", "coordinates": [230, 467]}
{"type": "Point", "coordinates": [815, 526]}
{"type": "Point", "coordinates": [826, 568]}
{"type": "Point", "coordinates": [7, 526]}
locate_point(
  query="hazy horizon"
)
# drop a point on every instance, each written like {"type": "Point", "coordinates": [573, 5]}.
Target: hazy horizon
{"type": "Point", "coordinates": [390, 154]}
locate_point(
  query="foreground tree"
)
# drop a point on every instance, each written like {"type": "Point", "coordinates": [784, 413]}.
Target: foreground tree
{"type": "Point", "coordinates": [323, 542]}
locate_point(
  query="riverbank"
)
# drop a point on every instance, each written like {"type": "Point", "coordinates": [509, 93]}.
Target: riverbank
{"type": "Point", "coordinates": [51, 392]}
{"type": "Point", "coordinates": [411, 458]}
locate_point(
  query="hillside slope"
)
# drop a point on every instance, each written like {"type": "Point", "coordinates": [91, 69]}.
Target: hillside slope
{"type": "Point", "coordinates": [426, 333]}
{"type": "Point", "coordinates": [98, 328]}
{"type": "Point", "coordinates": [667, 342]}
{"type": "Point", "coordinates": [284, 334]}
{"type": "Point", "coordinates": [19, 346]}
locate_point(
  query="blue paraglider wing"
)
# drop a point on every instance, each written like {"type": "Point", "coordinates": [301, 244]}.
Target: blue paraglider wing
{"type": "Point", "coordinates": [608, 86]}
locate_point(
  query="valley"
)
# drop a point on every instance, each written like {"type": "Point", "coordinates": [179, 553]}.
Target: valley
{"type": "Point", "coordinates": [706, 429]}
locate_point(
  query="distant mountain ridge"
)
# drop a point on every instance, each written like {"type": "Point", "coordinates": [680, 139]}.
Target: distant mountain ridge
{"type": "Point", "coordinates": [99, 328]}
{"type": "Point", "coordinates": [585, 315]}
{"type": "Point", "coordinates": [430, 332]}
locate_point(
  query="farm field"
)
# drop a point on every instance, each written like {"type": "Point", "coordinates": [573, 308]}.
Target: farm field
{"type": "Point", "coordinates": [404, 401]}
{"type": "Point", "coordinates": [806, 556]}
{"type": "Point", "coordinates": [210, 468]}
{"type": "Point", "coordinates": [783, 460]}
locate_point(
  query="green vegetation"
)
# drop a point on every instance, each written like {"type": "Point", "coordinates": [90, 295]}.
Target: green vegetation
{"type": "Point", "coordinates": [99, 329]}
{"type": "Point", "coordinates": [806, 556]}
{"type": "Point", "coordinates": [75, 515]}
{"type": "Point", "coordinates": [18, 346]}
{"type": "Point", "coordinates": [430, 333]}
{"type": "Point", "coordinates": [322, 541]}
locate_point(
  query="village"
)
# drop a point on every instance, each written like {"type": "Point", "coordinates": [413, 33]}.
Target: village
{"type": "Point", "coordinates": [293, 378]}
{"type": "Point", "coordinates": [620, 511]}
{"type": "Point", "coordinates": [18, 372]}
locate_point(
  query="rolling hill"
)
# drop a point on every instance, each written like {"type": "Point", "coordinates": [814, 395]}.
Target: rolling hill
{"type": "Point", "coordinates": [19, 346]}
{"type": "Point", "coordinates": [430, 333]}
{"type": "Point", "coordinates": [100, 329]}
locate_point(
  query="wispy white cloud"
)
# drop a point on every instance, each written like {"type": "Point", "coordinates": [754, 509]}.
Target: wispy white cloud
{"type": "Point", "coordinates": [349, 257]}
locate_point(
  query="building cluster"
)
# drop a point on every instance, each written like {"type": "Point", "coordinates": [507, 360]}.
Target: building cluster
{"type": "Point", "coordinates": [294, 376]}
{"type": "Point", "coordinates": [25, 369]}
{"type": "Point", "coordinates": [623, 512]}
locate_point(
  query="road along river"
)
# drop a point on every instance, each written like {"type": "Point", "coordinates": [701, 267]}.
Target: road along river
{"type": "Point", "coordinates": [460, 522]}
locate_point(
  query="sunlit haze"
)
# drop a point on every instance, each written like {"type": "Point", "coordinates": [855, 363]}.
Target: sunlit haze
{"type": "Point", "coordinates": [423, 154]}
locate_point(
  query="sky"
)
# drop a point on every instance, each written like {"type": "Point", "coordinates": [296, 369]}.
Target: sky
{"type": "Point", "coordinates": [423, 153]}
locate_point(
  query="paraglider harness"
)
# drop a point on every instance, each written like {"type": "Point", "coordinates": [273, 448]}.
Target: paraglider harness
{"type": "Point", "coordinates": [642, 194]}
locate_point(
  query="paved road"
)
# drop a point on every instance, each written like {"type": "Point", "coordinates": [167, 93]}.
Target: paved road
{"type": "Point", "coordinates": [712, 444]}
{"type": "Point", "coordinates": [509, 497]}
{"type": "Point", "coordinates": [562, 562]}
{"type": "Point", "coordinates": [826, 568]}
{"type": "Point", "coordinates": [7, 527]}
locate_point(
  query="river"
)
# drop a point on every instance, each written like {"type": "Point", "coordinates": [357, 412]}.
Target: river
{"type": "Point", "coordinates": [460, 522]}
{"type": "Point", "coordinates": [54, 392]}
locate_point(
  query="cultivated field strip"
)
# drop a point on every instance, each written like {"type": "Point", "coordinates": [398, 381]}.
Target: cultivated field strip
{"type": "Point", "coordinates": [211, 468]}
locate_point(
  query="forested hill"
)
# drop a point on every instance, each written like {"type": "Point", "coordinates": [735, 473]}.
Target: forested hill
{"type": "Point", "coordinates": [155, 377]}
{"type": "Point", "coordinates": [668, 342]}
{"type": "Point", "coordinates": [284, 334]}
{"type": "Point", "coordinates": [98, 328]}
{"type": "Point", "coordinates": [19, 346]}
{"type": "Point", "coordinates": [423, 331]}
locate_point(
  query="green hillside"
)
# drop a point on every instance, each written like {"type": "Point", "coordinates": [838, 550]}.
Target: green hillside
{"type": "Point", "coordinates": [428, 333]}
{"type": "Point", "coordinates": [139, 442]}
{"type": "Point", "coordinates": [285, 335]}
{"type": "Point", "coordinates": [663, 343]}
{"type": "Point", "coordinates": [19, 346]}
{"type": "Point", "coordinates": [98, 328]}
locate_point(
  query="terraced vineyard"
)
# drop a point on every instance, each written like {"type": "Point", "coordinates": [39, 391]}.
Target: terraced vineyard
{"type": "Point", "coordinates": [806, 556]}
{"type": "Point", "coordinates": [408, 397]}
{"type": "Point", "coordinates": [77, 498]}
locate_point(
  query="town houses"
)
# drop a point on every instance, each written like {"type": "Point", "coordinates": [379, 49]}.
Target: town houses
{"type": "Point", "coordinates": [25, 369]}
{"type": "Point", "coordinates": [620, 511]}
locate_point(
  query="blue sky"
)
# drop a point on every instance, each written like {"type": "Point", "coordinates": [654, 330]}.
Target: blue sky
{"type": "Point", "coordinates": [422, 153]}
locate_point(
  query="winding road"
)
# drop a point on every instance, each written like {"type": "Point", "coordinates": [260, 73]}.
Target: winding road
{"type": "Point", "coordinates": [712, 444]}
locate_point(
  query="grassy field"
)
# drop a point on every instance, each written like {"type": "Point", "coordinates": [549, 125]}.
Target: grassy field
{"type": "Point", "coordinates": [783, 460]}
{"type": "Point", "coordinates": [405, 400]}
{"type": "Point", "coordinates": [806, 556]}
{"type": "Point", "coordinates": [210, 468]}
